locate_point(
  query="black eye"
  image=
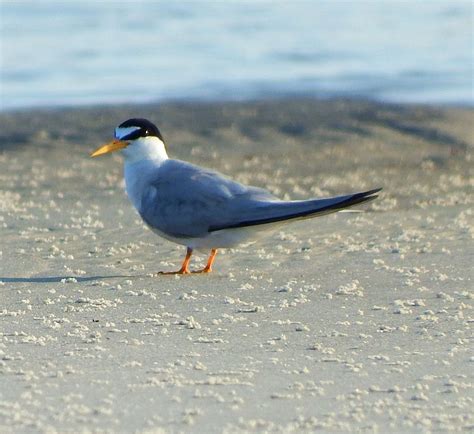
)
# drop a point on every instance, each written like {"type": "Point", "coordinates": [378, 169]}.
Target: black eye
{"type": "Point", "coordinates": [147, 133]}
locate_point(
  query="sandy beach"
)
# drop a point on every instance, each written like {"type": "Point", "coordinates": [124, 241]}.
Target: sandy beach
{"type": "Point", "coordinates": [349, 322]}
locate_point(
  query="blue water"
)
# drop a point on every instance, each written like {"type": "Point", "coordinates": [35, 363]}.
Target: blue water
{"type": "Point", "coordinates": [56, 53]}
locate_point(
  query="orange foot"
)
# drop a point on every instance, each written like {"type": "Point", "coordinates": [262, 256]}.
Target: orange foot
{"type": "Point", "coordinates": [208, 267]}
{"type": "Point", "coordinates": [184, 268]}
{"type": "Point", "coordinates": [204, 270]}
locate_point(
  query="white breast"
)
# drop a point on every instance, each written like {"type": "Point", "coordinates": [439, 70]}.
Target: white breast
{"type": "Point", "coordinates": [137, 180]}
{"type": "Point", "coordinates": [143, 158]}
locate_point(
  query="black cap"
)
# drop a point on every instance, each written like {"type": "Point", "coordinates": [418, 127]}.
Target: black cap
{"type": "Point", "coordinates": [145, 128]}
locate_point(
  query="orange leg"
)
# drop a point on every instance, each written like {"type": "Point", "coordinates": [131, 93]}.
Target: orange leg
{"type": "Point", "coordinates": [208, 267]}
{"type": "Point", "coordinates": [184, 268]}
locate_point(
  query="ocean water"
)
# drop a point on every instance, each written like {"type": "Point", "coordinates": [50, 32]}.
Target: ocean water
{"type": "Point", "coordinates": [61, 53]}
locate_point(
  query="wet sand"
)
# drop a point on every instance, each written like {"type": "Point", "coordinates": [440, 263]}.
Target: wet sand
{"type": "Point", "coordinates": [343, 323]}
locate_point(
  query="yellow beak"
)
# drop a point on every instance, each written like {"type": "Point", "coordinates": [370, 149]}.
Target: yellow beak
{"type": "Point", "coordinates": [112, 146]}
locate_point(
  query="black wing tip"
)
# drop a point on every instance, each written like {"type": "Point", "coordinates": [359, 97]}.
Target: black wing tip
{"type": "Point", "coordinates": [365, 195]}
{"type": "Point", "coordinates": [354, 199]}
{"type": "Point", "coordinates": [369, 192]}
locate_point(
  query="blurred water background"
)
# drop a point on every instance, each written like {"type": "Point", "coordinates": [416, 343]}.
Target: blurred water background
{"type": "Point", "coordinates": [59, 53]}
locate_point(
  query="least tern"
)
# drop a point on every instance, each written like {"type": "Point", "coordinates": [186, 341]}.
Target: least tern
{"type": "Point", "coordinates": [200, 208]}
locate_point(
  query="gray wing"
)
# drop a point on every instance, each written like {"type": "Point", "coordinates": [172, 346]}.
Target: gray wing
{"type": "Point", "coordinates": [267, 213]}
{"type": "Point", "coordinates": [185, 201]}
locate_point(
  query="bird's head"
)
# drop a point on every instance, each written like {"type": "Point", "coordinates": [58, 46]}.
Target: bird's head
{"type": "Point", "coordinates": [139, 139]}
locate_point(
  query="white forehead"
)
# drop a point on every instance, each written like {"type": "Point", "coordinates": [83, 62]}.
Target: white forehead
{"type": "Point", "coordinates": [122, 132]}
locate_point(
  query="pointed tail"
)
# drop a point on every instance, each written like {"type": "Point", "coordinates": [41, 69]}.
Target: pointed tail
{"type": "Point", "coordinates": [273, 212]}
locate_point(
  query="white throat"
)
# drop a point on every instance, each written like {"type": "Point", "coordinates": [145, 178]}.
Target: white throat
{"type": "Point", "coordinates": [145, 148]}
{"type": "Point", "coordinates": [142, 157]}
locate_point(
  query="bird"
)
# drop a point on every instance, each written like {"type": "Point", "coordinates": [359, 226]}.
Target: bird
{"type": "Point", "coordinates": [198, 207]}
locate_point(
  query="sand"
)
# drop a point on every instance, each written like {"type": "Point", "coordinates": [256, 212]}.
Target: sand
{"type": "Point", "coordinates": [343, 323]}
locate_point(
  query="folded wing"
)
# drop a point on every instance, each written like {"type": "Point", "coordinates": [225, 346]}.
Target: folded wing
{"type": "Point", "coordinates": [187, 201]}
{"type": "Point", "coordinates": [274, 212]}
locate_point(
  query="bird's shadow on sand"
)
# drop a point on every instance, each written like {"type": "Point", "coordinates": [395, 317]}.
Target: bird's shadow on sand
{"type": "Point", "coordinates": [56, 279]}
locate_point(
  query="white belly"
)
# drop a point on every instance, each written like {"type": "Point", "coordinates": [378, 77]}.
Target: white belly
{"type": "Point", "coordinates": [226, 238]}
{"type": "Point", "coordinates": [137, 176]}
